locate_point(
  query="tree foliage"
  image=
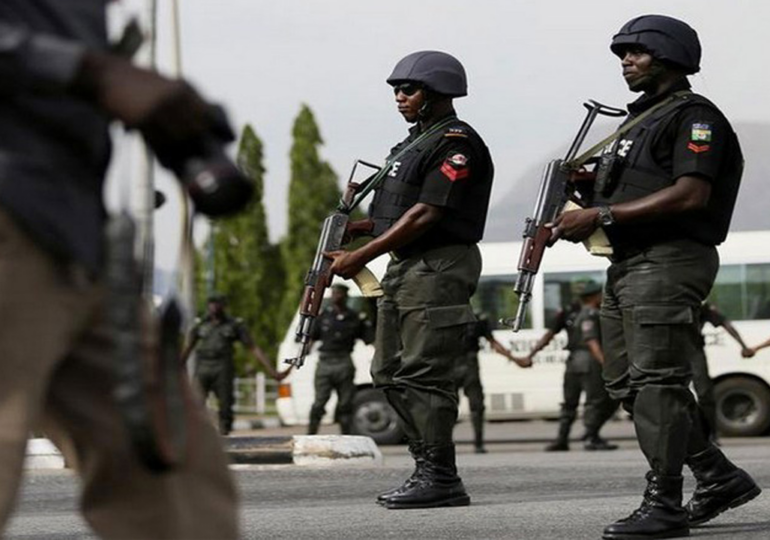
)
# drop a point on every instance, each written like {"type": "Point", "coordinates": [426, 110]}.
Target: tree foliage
{"type": "Point", "coordinates": [247, 268]}
{"type": "Point", "coordinates": [313, 194]}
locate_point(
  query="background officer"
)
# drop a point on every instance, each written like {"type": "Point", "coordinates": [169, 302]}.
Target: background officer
{"type": "Point", "coordinates": [214, 338]}
{"type": "Point", "coordinates": [60, 89]}
{"type": "Point", "coordinates": [429, 212]}
{"type": "Point", "coordinates": [337, 328]}
{"type": "Point", "coordinates": [666, 200]}
{"type": "Point", "coordinates": [583, 371]}
{"type": "Point", "coordinates": [701, 380]}
{"type": "Point", "coordinates": [468, 376]}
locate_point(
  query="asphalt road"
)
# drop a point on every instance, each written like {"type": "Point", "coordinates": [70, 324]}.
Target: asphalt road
{"type": "Point", "coordinates": [518, 492]}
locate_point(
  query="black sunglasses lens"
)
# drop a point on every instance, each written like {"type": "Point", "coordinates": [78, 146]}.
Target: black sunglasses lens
{"type": "Point", "coordinates": [406, 89]}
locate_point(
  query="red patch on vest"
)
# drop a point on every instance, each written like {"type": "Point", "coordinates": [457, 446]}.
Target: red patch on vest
{"type": "Point", "coordinates": [455, 167]}
{"type": "Point", "coordinates": [698, 148]}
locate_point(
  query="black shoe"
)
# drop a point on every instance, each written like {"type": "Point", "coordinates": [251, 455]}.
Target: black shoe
{"type": "Point", "coordinates": [417, 450]}
{"type": "Point", "coordinates": [660, 515]}
{"type": "Point", "coordinates": [557, 446]}
{"type": "Point", "coordinates": [597, 443]}
{"type": "Point", "coordinates": [479, 450]}
{"type": "Point", "coordinates": [437, 486]}
{"type": "Point", "coordinates": [720, 486]}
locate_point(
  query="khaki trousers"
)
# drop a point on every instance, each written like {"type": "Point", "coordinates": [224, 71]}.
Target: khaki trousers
{"type": "Point", "coordinates": [56, 375]}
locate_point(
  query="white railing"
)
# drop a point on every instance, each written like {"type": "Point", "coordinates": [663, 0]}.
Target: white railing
{"type": "Point", "coordinates": [254, 394]}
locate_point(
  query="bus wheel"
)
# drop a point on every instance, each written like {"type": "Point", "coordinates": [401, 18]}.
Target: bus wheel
{"type": "Point", "coordinates": [374, 417]}
{"type": "Point", "coordinates": [743, 407]}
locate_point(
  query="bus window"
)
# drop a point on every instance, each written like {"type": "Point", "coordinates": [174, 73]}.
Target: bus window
{"type": "Point", "coordinates": [742, 291]}
{"type": "Point", "coordinates": [559, 291]}
{"type": "Point", "coordinates": [495, 298]}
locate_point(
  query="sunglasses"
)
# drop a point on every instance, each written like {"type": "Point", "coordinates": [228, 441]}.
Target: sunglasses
{"type": "Point", "coordinates": [408, 89]}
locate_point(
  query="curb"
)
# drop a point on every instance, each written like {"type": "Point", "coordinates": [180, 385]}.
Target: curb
{"type": "Point", "coordinates": [42, 454]}
{"type": "Point", "coordinates": [304, 450]}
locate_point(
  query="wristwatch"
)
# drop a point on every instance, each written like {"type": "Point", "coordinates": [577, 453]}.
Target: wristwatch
{"type": "Point", "coordinates": [605, 216]}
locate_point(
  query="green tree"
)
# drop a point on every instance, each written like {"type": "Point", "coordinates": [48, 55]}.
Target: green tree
{"type": "Point", "coordinates": [313, 194]}
{"type": "Point", "coordinates": [247, 267]}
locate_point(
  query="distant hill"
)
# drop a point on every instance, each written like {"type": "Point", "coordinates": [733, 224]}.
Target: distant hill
{"type": "Point", "coordinates": [752, 211]}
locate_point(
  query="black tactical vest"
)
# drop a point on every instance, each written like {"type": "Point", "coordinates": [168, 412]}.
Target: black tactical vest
{"type": "Point", "coordinates": [400, 190]}
{"type": "Point", "coordinates": [636, 175]}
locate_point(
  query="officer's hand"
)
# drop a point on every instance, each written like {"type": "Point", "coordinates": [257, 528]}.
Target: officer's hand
{"type": "Point", "coordinates": [748, 352]}
{"type": "Point", "coordinates": [346, 263]}
{"type": "Point", "coordinates": [524, 362]}
{"type": "Point", "coordinates": [574, 225]}
{"type": "Point", "coordinates": [168, 112]}
{"type": "Point", "coordinates": [281, 375]}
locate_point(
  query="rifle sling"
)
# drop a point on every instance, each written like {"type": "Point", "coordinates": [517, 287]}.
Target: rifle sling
{"type": "Point", "coordinates": [585, 156]}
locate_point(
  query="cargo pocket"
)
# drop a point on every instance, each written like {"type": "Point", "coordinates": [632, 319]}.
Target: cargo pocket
{"type": "Point", "coordinates": [447, 329]}
{"type": "Point", "coordinates": [663, 329]}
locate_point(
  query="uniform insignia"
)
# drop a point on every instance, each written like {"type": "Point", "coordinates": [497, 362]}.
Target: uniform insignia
{"type": "Point", "coordinates": [456, 132]}
{"type": "Point", "coordinates": [455, 167]}
{"type": "Point", "coordinates": [701, 133]}
{"type": "Point", "coordinates": [698, 148]}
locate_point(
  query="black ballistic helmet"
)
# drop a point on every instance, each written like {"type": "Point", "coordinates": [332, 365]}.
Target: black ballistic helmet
{"type": "Point", "coordinates": [438, 71]}
{"type": "Point", "coordinates": [664, 37]}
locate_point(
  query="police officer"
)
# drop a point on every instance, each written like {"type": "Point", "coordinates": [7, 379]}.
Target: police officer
{"type": "Point", "coordinates": [583, 372]}
{"type": "Point", "coordinates": [667, 198]}
{"type": "Point", "coordinates": [337, 328]}
{"type": "Point", "coordinates": [214, 338]}
{"type": "Point", "coordinates": [429, 212]}
{"type": "Point", "coordinates": [60, 88]}
{"type": "Point", "coordinates": [701, 380]}
{"type": "Point", "coordinates": [468, 375]}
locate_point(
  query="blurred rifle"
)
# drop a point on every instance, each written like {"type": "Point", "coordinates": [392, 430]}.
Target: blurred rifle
{"type": "Point", "coordinates": [558, 190]}
{"type": "Point", "coordinates": [337, 230]}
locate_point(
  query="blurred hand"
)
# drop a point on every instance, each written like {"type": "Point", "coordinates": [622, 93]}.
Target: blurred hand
{"type": "Point", "coordinates": [524, 362]}
{"type": "Point", "coordinates": [748, 352]}
{"type": "Point", "coordinates": [574, 225]}
{"type": "Point", "coordinates": [346, 264]}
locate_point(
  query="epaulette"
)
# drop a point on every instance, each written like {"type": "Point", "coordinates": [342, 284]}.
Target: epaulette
{"type": "Point", "coordinates": [456, 132]}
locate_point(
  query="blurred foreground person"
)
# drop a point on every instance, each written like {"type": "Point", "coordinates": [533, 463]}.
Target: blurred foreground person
{"type": "Point", "coordinates": [665, 200]}
{"type": "Point", "coordinates": [60, 88]}
{"type": "Point", "coordinates": [429, 211]}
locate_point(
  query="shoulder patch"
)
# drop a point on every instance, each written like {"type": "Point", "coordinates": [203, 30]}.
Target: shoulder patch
{"type": "Point", "coordinates": [455, 166]}
{"type": "Point", "coordinates": [701, 132]}
{"type": "Point", "coordinates": [456, 132]}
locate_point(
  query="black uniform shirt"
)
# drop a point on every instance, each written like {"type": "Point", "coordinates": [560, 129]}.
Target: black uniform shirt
{"type": "Point", "coordinates": [216, 338]}
{"type": "Point", "coordinates": [565, 320]}
{"type": "Point", "coordinates": [338, 331]}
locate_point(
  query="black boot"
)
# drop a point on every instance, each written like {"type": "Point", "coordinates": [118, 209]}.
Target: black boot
{"type": "Point", "coordinates": [437, 486]}
{"type": "Point", "coordinates": [660, 515]}
{"type": "Point", "coordinates": [720, 486]}
{"type": "Point", "coordinates": [595, 442]}
{"type": "Point", "coordinates": [561, 443]}
{"type": "Point", "coordinates": [417, 449]}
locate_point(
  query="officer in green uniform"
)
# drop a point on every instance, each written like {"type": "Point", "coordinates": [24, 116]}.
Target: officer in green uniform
{"type": "Point", "coordinates": [213, 339]}
{"type": "Point", "coordinates": [701, 380]}
{"type": "Point", "coordinates": [583, 372]}
{"type": "Point", "coordinates": [665, 199]}
{"type": "Point", "coordinates": [468, 376]}
{"type": "Point", "coordinates": [337, 328]}
{"type": "Point", "coordinates": [429, 212]}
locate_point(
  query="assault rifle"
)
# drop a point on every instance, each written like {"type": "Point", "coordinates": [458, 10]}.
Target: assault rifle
{"type": "Point", "coordinates": [557, 189]}
{"type": "Point", "coordinates": [336, 231]}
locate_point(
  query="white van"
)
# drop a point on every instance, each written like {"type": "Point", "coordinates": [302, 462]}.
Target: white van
{"type": "Point", "coordinates": [741, 292]}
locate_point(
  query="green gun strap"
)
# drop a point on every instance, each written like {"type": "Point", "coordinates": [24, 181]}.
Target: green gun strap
{"type": "Point", "coordinates": [375, 181]}
{"type": "Point", "coordinates": [625, 128]}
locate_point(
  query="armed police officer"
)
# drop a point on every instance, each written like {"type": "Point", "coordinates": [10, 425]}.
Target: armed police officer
{"type": "Point", "coordinates": [666, 201]}
{"type": "Point", "coordinates": [583, 372]}
{"type": "Point", "coordinates": [61, 86]}
{"type": "Point", "coordinates": [213, 338]}
{"type": "Point", "coordinates": [429, 213]}
{"type": "Point", "coordinates": [468, 373]}
{"type": "Point", "coordinates": [338, 328]}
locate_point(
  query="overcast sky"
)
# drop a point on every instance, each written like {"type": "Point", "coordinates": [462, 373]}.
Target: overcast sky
{"type": "Point", "coordinates": [530, 65]}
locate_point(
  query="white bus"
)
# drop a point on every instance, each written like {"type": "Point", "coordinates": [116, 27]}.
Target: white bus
{"type": "Point", "coordinates": [742, 293]}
